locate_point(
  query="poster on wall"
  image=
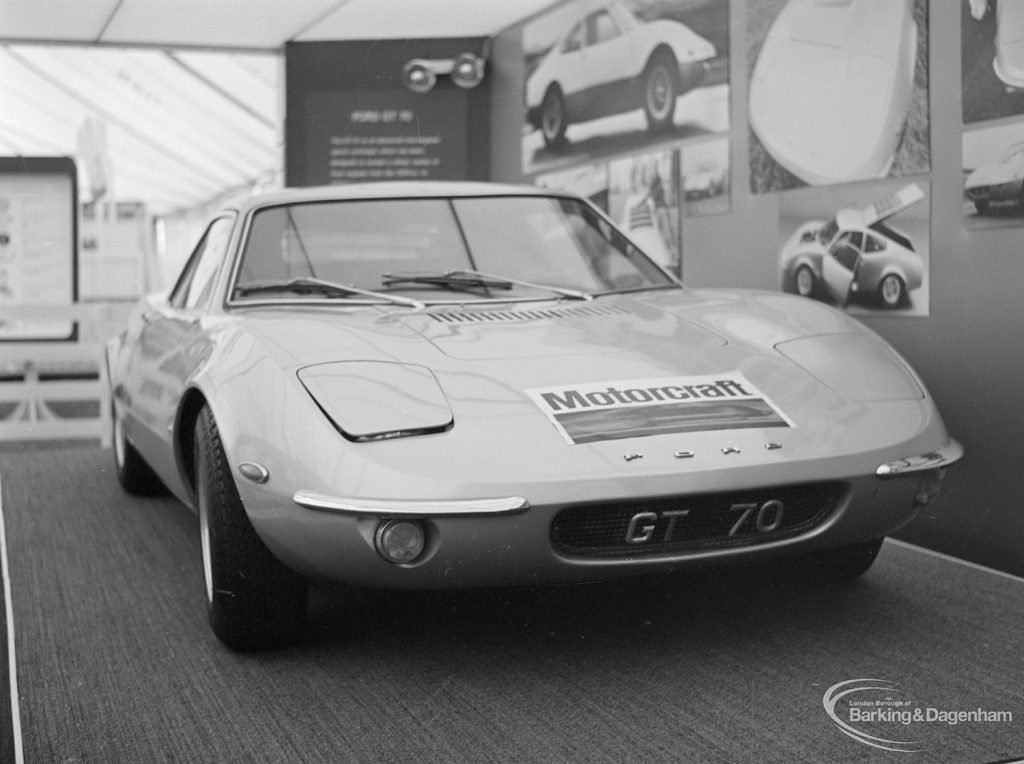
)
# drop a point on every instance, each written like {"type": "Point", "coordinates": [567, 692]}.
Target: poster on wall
{"type": "Point", "coordinates": [38, 251]}
{"type": "Point", "coordinates": [993, 164]}
{"type": "Point", "coordinates": [862, 248]}
{"type": "Point", "coordinates": [643, 198]}
{"type": "Point", "coordinates": [608, 78]}
{"type": "Point", "coordinates": [704, 168]}
{"type": "Point", "coordinates": [384, 135]}
{"type": "Point", "coordinates": [589, 181]}
{"type": "Point", "coordinates": [991, 59]}
{"type": "Point", "coordinates": [838, 91]}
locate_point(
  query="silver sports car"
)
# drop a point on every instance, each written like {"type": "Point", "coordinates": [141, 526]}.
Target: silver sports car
{"type": "Point", "coordinates": [460, 385]}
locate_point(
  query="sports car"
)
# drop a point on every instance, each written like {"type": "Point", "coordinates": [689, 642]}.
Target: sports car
{"type": "Point", "coordinates": [855, 254]}
{"type": "Point", "coordinates": [610, 62]}
{"type": "Point", "coordinates": [998, 182]}
{"type": "Point", "coordinates": [443, 385]}
{"type": "Point", "coordinates": [831, 89]}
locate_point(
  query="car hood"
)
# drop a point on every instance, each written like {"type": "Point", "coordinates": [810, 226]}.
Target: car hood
{"type": "Point", "coordinates": [992, 174]}
{"type": "Point", "coordinates": [561, 389]}
{"type": "Point", "coordinates": [670, 324]}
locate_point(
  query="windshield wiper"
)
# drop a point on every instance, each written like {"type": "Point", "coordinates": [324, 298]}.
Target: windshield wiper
{"type": "Point", "coordinates": [466, 278]}
{"type": "Point", "coordinates": [309, 284]}
{"type": "Point", "coordinates": [449, 279]}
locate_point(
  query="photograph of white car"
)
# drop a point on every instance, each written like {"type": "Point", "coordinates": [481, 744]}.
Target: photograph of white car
{"type": "Point", "coordinates": [857, 257]}
{"type": "Point", "coordinates": [704, 167]}
{"type": "Point", "coordinates": [992, 184]}
{"type": "Point", "coordinates": [838, 91]}
{"type": "Point", "coordinates": [993, 166]}
{"type": "Point", "coordinates": [605, 77]}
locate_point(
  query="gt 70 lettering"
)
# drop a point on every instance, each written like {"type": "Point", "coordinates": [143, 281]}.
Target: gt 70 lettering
{"type": "Point", "coordinates": [767, 519]}
{"type": "Point", "coordinates": [642, 525]}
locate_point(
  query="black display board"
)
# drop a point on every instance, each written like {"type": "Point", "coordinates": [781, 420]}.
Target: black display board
{"type": "Point", "coordinates": [350, 118]}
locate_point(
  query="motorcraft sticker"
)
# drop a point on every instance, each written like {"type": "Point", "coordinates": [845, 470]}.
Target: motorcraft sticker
{"type": "Point", "coordinates": [635, 408]}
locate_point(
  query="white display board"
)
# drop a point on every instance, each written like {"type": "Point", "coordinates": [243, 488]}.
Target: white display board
{"type": "Point", "coordinates": [38, 248]}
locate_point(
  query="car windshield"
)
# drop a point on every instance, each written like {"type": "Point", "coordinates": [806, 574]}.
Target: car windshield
{"type": "Point", "coordinates": [439, 250]}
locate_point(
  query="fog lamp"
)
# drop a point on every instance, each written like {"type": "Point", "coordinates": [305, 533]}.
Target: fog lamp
{"type": "Point", "coordinates": [400, 541]}
{"type": "Point", "coordinates": [419, 75]}
{"type": "Point", "coordinates": [467, 70]}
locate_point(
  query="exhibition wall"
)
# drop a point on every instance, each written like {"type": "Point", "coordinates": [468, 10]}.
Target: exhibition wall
{"type": "Point", "coordinates": [960, 327]}
{"type": "Point", "coordinates": [967, 348]}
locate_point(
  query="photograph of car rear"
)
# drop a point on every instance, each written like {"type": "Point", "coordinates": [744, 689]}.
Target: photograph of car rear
{"type": "Point", "coordinates": [869, 254]}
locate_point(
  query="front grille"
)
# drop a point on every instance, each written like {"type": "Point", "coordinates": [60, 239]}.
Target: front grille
{"type": "Point", "coordinates": [524, 314]}
{"type": "Point", "coordinates": [683, 523]}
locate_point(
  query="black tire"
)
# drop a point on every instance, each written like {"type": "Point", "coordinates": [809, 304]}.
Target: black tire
{"type": "Point", "coordinates": [660, 89]}
{"type": "Point", "coordinates": [553, 118]}
{"type": "Point", "coordinates": [805, 282]}
{"type": "Point", "coordinates": [845, 563]}
{"type": "Point", "coordinates": [892, 291]}
{"type": "Point", "coordinates": [133, 473]}
{"type": "Point", "coordinates": [254, 602]}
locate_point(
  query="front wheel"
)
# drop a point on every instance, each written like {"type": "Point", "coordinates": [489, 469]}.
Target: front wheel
{"type": "Point", "coordinates": [553, 118]}
{"type": "Point", "coordinates": [660, 91]}
{"type": "Point", "coordinates": [254, 602]}
{"type": "Point", "coordinates": [891, 292]}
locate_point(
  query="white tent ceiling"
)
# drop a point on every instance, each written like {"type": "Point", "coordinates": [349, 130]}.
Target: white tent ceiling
{"type": "Point", "coordinates": [188, 92]}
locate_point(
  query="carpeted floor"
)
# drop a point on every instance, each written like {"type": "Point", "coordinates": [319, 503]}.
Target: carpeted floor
{"type": "Point", "coordinates": [115, 662]}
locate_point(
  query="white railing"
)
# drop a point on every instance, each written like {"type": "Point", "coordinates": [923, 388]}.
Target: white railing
{"type": "Point", "coordinates": [40, 376]}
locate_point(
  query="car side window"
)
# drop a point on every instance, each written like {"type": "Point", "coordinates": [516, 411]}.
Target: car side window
{"type": "Point", "coordinates": [600, 28]}
{"type": "Point", "coordinates": [574, 41]}
{"type": "Point", "coordinates": [874, 244]}
{"type": "Point", "coordinates": [197, 278]}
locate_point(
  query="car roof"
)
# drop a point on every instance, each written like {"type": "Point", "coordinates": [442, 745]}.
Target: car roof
{"type": "Point", "coordinates": [388, 190]}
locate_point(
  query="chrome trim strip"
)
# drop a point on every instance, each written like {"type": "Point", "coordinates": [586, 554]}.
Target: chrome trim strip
{"type": "Point", "coordinates": [944, 457]}
{"type": "Point", "coordinates": [411, 508]}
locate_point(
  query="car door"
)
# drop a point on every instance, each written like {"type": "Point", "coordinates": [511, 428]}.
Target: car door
{"type": "Point", "coordinates": [606, 55]}
{"type": "Point", "coordinates": [169, 343]}
{"type": "Point", "coordinates": [839, 267]}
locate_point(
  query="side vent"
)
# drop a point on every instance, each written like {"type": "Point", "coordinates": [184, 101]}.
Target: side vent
{"type": "Point", "coordinates": [508, 316]}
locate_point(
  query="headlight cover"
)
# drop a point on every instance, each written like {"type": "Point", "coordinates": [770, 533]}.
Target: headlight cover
{"type": "Point", "coordinates": [375, 400]}
{"type": "Point", "coordinates": [860, 367]}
